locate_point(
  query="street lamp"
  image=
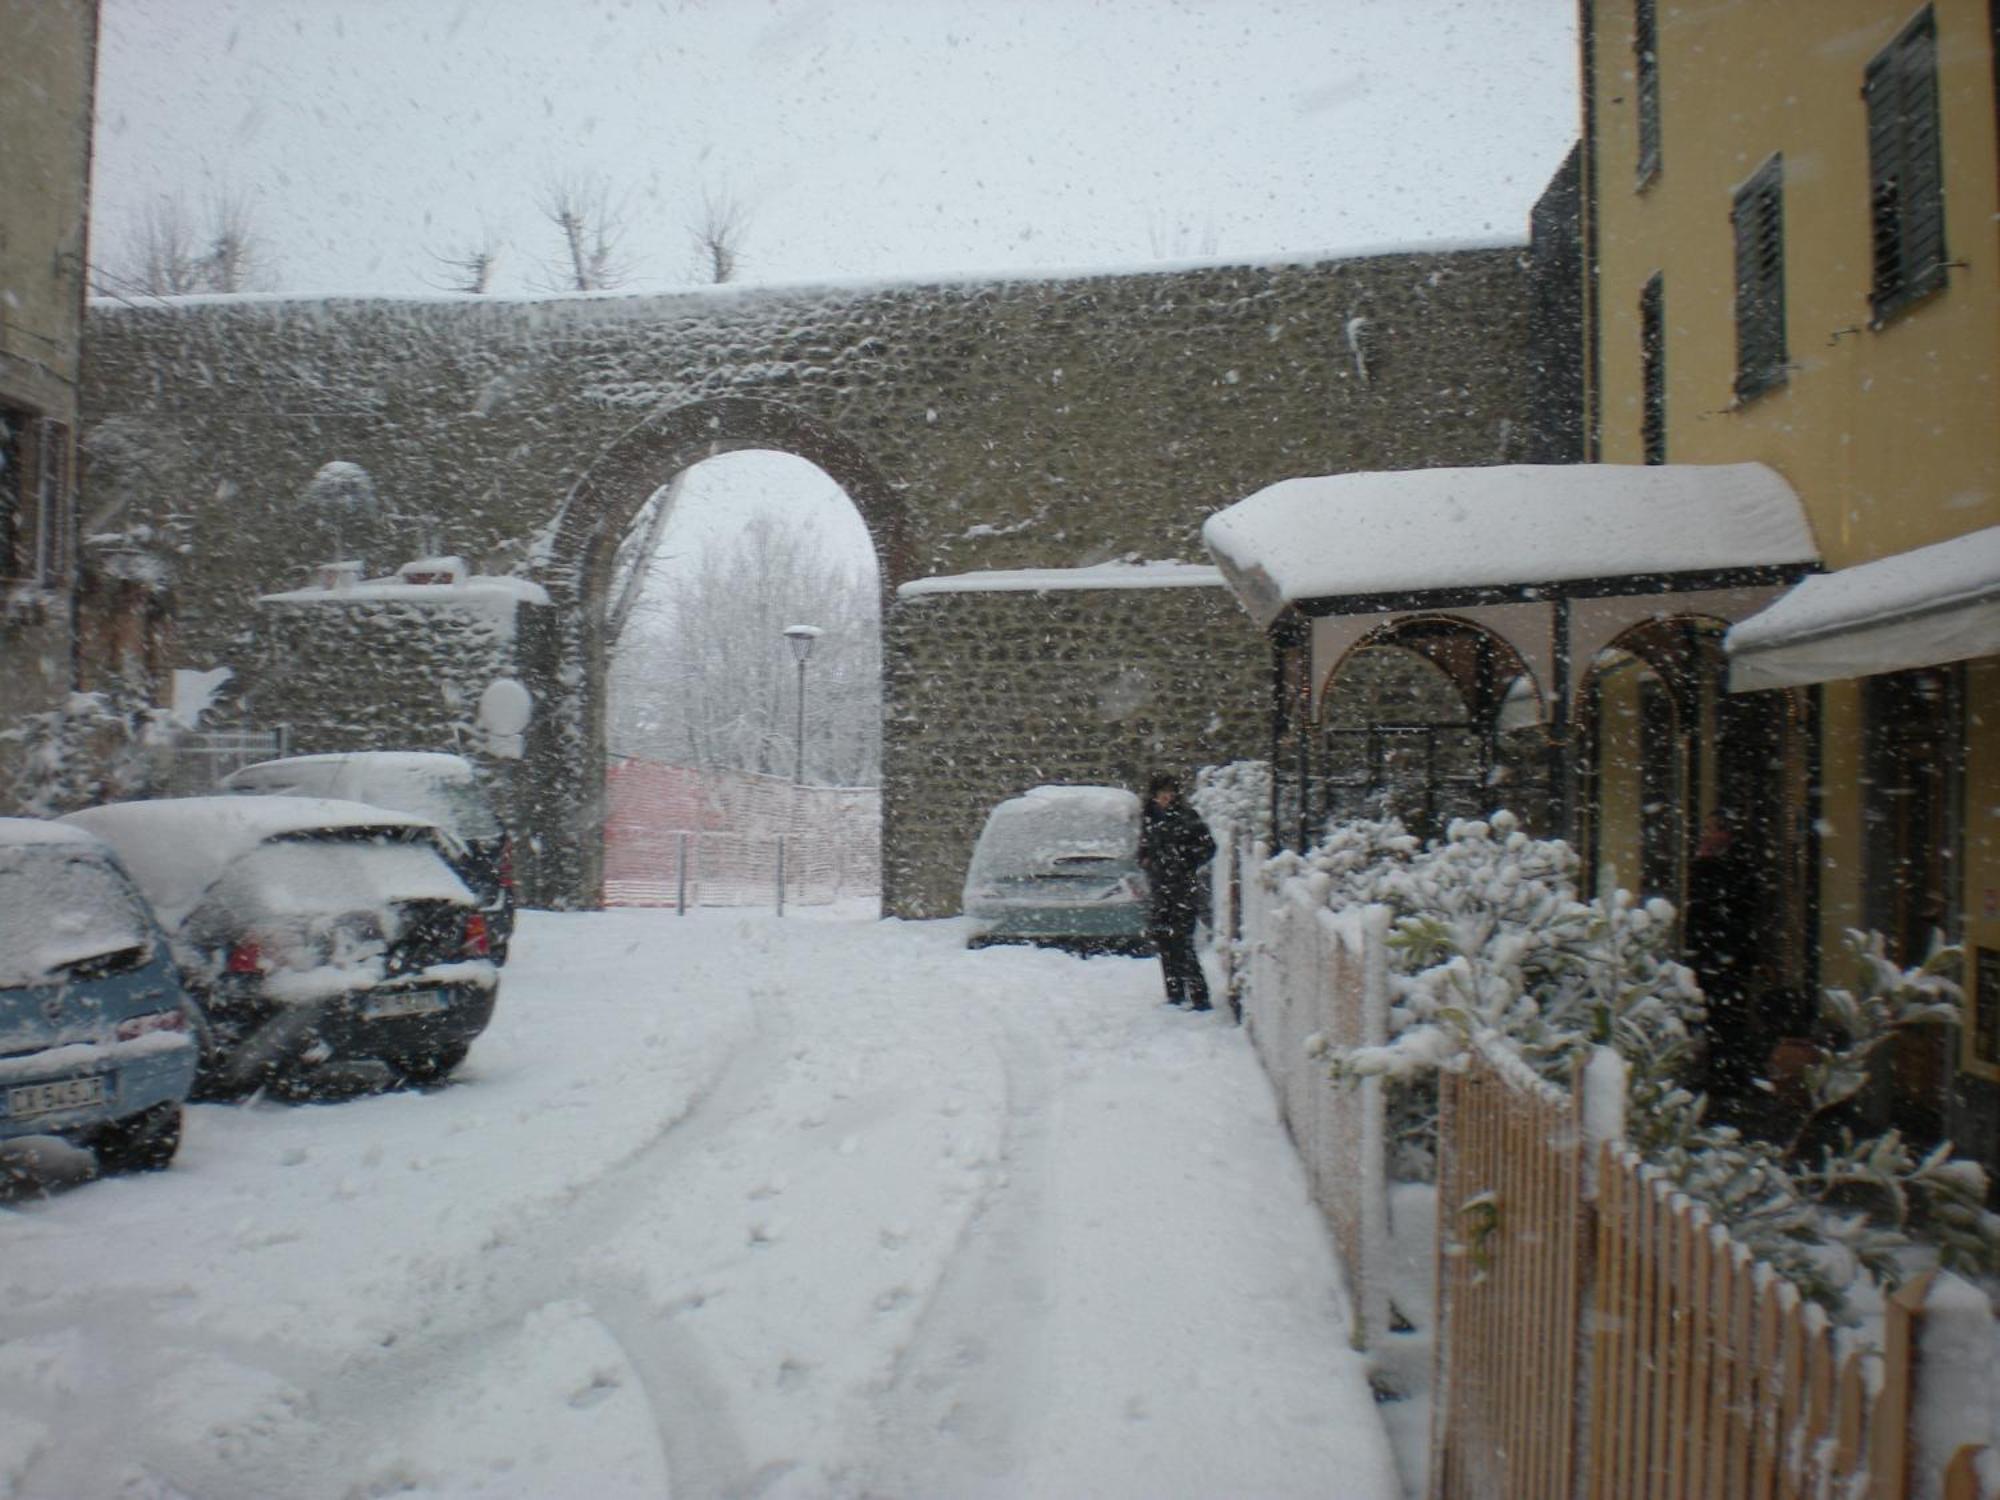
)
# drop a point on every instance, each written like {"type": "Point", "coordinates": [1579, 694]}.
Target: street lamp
{"type": "Point", "coordinates": [801, 638]}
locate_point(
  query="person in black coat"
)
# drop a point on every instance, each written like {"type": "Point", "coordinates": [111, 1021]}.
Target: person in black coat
{"type": "Point", "coordinates": [1174, 846]}
{"type": "Point", "coordinates": [1717, 939]}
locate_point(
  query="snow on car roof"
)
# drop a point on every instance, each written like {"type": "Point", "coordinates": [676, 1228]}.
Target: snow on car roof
{"type": "Point", "coordinates": [176, 847]}
{"type": "Point", "coordinates": [16, 832]}
{"type": "Point", "coordinates": [1415, 530]}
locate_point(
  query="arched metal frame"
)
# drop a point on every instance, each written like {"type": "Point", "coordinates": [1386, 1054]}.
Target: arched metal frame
{"type": "Point", "coordinates": [1483, 668]}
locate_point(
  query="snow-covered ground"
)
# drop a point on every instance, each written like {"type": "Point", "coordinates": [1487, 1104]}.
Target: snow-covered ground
{"type": "Point", "coordinates": [722, 1205]}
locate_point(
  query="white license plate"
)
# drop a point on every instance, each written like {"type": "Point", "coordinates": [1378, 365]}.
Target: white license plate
{"type": "Point", "coordinates": [405, 1003]}
{"type": "Point", "coordinates": [29, 1099]}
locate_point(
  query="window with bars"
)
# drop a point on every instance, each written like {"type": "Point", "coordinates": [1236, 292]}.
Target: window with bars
{"type": "Point", "coordinates": [1646, 57]}
{"type": "Point", "coordinates": [1653, 369]}
{"type": "Point", "coordinates": [1757, 215]}
{"type": "Point", "coordinates": [1905, 168]}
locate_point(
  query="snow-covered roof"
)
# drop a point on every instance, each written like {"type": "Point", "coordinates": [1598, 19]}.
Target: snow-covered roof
{"type": "Point", "coordinates": [1110, 575]}
{"type": "Point", "coordinates": [413, 762]}
{"type": "Point", "coordinates": [1920, 608]}
{"type": "Point", "coordinates": [1416, 531]}
{"type": "Point", "coordinates": [176, 847]}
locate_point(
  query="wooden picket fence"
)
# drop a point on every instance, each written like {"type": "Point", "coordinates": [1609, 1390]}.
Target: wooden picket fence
{"type": "Point", "coordinates": [1702, 1376]}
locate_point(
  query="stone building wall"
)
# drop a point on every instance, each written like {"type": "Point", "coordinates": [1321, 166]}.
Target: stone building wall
{"type": "Point", "coordinates": [976, 425]}
{"type": "Point", "coordinates": [993, 692]}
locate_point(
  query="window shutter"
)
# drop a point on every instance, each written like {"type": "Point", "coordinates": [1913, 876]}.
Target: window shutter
{"type": "Point", "coordinates": [1653, 369]}
{"type": "Point", "coordinates": [1646, 56]}
{"type": "Point", "coordinates": [1905, 168]}
{"type": "Point", "coordinates": [1757, 218]}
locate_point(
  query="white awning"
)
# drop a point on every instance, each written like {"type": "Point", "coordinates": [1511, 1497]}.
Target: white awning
{"type": "Point", "coordinates": [1922, 608]}
{"type": "Point", "coordinates": [1414, 531]}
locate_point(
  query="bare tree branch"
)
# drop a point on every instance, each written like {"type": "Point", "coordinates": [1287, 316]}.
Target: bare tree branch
{"type": "Point", "coordinates": [718, 237]}
{"type": "Point", "coordinates": [468, 269]}
{"type": "Point", "coordinates": [579, 205]}
{"type": "Point", "coordinates": [166, 253]}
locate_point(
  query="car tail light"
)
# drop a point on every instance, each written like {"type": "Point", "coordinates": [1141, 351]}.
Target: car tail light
{"type": "Point", "coordinates": [245, 957]}
{"type": "Point", "coordinates": [159, 1020]}
{"type": "Point", "coordinates": [506, 864]}
{"type": "Point", "coordinates": [478, 942]}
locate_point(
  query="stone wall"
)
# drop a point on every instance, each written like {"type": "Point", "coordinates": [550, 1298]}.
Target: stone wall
{"type": "Point", "coordinates": [976, 425]}
{"type": "Point", "coordinates": [993, 692]}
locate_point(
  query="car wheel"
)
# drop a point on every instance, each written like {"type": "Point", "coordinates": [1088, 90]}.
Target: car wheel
{"type": "Point", "coordinates": [432, 1067]}
{"type": "Point", "coordinates": [144, 1143]}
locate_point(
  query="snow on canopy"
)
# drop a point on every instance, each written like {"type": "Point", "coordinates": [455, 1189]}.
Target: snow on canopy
{"type": "Point", "coordinates": [61, 900]}
{"type": "Point", "coordinates": [1111, 575]}
{"type": "Point", "coordinates": [476, 588]}
{"type": "Point", "coordinates": [1418, 530]}
{"type": "Point", "coordinates": [1919, 608]}
{"type": "Point", "coordinates": [176, 848]}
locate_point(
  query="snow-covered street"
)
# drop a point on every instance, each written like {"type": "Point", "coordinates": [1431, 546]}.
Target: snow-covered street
{"type": "Point", "coordinates": [722, 1205]}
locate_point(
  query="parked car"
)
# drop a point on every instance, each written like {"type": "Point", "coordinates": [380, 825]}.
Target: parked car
{"type": "Point", "coordinates": [95, 1043]}
{"type": "Point", "coordinates": [1060, 865]}
{"type": "Point", "coordinates": [443, 788]}
{"type": "Point", "coordinates": [325, 944]}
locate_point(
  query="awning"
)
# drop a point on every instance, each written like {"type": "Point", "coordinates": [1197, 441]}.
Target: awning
{"type": "Point", "coordinates": [1922, 608]}
{"type": "Point", "coordinates": [1394, 539]}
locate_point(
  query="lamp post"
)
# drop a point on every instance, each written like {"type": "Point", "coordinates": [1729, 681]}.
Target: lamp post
{"type": "Point", "coordinates": [801, 639]}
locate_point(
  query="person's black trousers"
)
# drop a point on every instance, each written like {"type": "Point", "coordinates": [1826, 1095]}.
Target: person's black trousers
{"type": "Point", "coordinates": [1186, 984]}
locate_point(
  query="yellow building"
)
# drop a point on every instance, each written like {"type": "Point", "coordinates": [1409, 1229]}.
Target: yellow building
{"type": "Point", "coordinates": [46, 93]}
{"type": "Point", "coordinates": [1791, 216]}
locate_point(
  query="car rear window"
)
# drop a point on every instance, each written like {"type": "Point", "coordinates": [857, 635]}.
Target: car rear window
{"type": "Point", "coordinates": [1029, 838]}
{"type": "Point", "coordinates": [327, 873]}
{"type": "Point", "coordinates": [455, 805]}
{"type": "Point", "coordinates": [59, 906]}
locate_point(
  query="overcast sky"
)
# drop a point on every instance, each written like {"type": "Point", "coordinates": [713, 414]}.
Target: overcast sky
{"type": "Point", "coordinates": [862, 138]}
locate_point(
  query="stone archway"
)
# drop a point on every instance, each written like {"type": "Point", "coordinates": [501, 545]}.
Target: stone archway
{"type": "Point", "coordinates": [583, 538]}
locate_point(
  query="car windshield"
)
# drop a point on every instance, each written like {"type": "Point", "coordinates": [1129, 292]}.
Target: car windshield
{"type": "Point", "coordinates": [60, 905]}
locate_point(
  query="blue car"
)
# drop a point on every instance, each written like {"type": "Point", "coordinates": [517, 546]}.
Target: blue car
{"type": "Point", "coordinates": [95, 1038]}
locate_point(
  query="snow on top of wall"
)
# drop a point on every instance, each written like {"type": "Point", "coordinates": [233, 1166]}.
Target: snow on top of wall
{"type": "Point", "coordinates": [1111, 575]}
{"type": "Point", "coordinates": [857, 285]}
{"type": "Point", "coordinates": [1963, 570]}
{"type": "Point", "coordinates": [1415, 530]}
{"type": "Point", "coordinates": [479, 588]}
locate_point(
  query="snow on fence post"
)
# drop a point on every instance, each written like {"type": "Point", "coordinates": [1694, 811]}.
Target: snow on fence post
{"type": "Point", "coordinates": [1939, 1329]}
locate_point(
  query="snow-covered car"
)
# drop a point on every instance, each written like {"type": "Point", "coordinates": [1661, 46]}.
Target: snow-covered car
{"type": "Point", "coordinates": [95, 1043]}
{"type": "Point", "coordinates": [1060, 865]}
{"type": "Point", "coordinates": [443, 788]}
{"type": "Point", "coordinates": [325, 943]}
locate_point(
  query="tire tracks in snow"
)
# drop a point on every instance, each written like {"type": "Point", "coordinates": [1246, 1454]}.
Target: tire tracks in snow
{"type": "Point", "coordinates": [948, 1417]}
{"type": "Point", "coordinates": [354, 1403]}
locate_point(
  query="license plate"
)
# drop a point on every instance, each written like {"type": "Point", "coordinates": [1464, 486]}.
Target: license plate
{"type": "Point", "coordinates": [29, 1099]}
{"type": "Point", "coordinates": [405, 1003]}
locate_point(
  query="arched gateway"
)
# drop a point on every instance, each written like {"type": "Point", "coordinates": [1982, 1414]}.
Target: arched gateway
{"type": "Point", "coordinates": [1010, 446]}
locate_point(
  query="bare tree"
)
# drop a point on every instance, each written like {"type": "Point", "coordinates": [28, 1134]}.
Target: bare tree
{"type": "Point", "coordinates": [706, 680]}
{"type": "Point", "coordinates": [469, 268]}
{"type": "Point", "coordinates": [579, 205]}
{"type": "Point", "coordinates": [718, 237]}
{"type": "Point", "coordinates": [168, 253]}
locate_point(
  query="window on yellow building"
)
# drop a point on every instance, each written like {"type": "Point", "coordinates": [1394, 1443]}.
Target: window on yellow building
{"type": "Point", "coordinates": [1757, 216]}
{"type": "Point", "coordinates": [1905, 168]}
{"type": "Point", "coordinates": [1653, 369]}
{"type": "Point", "coordinates": [1646, 55]}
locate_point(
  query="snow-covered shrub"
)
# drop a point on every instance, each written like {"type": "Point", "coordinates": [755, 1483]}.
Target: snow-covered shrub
{"type": "Point", "coordinates": [98, 747]}
{"type": "Point", "coordinates": [1235, 796]}
{"type": "Point", "coordinates": [1489, 938]}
